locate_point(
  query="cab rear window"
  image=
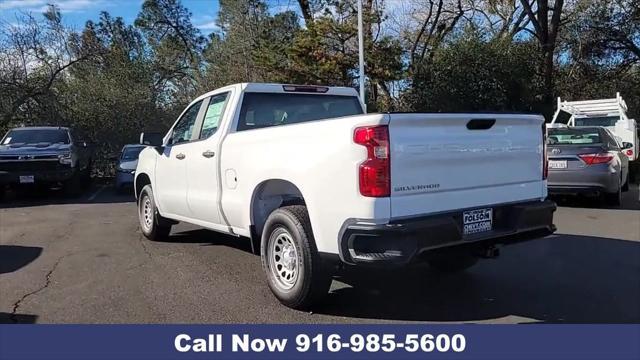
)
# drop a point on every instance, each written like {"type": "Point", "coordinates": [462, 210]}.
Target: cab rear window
{"type": "Point", "coordinates": [260, 110]}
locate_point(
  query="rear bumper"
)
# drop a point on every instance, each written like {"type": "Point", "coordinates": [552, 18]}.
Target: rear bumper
{"type": "Point", "coordinates": [576, 190]}
{"type": "Point", "coordinates": [402, 241]}
{"type": "Point", "coordinates": [582, 181]}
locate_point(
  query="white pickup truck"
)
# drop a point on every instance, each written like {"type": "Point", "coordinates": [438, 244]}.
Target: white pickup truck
{"type": "Point", "coordinates": [315, 183]}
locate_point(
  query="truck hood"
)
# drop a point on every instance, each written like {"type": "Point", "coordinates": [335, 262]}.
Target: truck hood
{"type": "Point", "coordinates": [34, 149]}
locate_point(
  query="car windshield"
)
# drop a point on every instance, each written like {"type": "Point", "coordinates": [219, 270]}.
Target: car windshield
{"type": "Point", "coordinates": [36, 136]}
{"type": "Point", "coordinates": [261, 110]}
{"type": "Point", "coordinates": [573, 136]}
{"type": "Point", "coordinates": [131, 153]}
{"type": "Point", "coordinates": [597, 121]}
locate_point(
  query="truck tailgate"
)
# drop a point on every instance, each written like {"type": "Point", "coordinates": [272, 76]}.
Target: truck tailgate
{"type": "Point", "coordinates": [444, 162]}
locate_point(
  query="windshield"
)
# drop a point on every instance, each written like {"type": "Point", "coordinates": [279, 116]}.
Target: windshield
{"type": "Point", "coordinates": [573, 136]}
{"type": "Point", "coordinates": [597, 121]}
{"type": "Point", "coordinates": [261, 110]}
{"type": "Point", "coordinates": [131, 153]}
{"type": "Point", "coordinates": [31, 136]}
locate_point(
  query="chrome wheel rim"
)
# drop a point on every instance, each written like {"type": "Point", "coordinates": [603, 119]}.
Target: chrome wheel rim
{"type": "Point", "coordinates": [284, 262]}
{"type": "Point", "coordinates": [146, 213]}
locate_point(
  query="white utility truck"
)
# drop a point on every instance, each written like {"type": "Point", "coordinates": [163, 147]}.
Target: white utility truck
{"type": "Point", "coordinates": [607, 113]}
{"type": "Point", "coordinates": [316, 184]}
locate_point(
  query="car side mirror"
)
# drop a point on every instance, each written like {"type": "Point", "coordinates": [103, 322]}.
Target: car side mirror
{"type": "Point", "coordinates": [627, 145]}
{"type": "Point", "coordinates": [151, 139]}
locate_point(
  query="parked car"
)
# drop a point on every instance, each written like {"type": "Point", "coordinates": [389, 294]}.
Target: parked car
{"type": "Point", "coordinates": [44, 156]}
{"type": "Point", "coordinates": [587, 161]}
{"type": "Point", "coordinates": [315, 183]}
{"type": "Point", "coordinates": [127, 163]}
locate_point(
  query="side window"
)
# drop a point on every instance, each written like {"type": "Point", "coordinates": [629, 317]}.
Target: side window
{"type": "Point", "coordinates": [213, 115]}
{"type": "Point", "coordinates": [183, 130]}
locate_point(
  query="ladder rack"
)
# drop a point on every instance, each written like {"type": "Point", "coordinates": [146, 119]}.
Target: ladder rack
{"type": "Point", "coordinates": [600, 107]}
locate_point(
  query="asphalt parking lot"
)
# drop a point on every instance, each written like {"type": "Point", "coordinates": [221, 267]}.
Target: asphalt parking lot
{"type": "Point", "coordinates": [84, 260]}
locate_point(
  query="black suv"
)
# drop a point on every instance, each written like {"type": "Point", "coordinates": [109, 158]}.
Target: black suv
{"type": "Point", "coordinates": [44, 155]}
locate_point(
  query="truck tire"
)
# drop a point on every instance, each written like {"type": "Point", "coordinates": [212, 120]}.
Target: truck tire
{"type": "Point", "coordinates": [452, 261]}
{"type": "Point", "coordinates": [153, 226]}
{"type": "Point", "coordinates": [294, 270]}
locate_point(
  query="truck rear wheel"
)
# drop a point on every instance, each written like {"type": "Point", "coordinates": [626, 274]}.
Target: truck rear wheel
{"type": "Point", "coordinates": [153, 226]}
{"type": "Point", "coordinates": [295, 273]}
{"type": "Point", "coordinates": [449, 262]}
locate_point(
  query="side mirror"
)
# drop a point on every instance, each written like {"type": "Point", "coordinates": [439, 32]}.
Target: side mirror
{"type": "Point", "coordinates": [627, 145]}
{"type": "Point", "coordinates": [151, 139]}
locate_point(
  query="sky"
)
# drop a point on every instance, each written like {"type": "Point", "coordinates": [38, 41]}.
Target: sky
{"type": "Point", "coordinates": [76, 12]}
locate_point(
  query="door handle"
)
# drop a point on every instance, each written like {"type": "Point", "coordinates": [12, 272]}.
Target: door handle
{"type": "Point", "coordinates": [208, 154]}
{"type": "Point", "coordinates": [180, 156]}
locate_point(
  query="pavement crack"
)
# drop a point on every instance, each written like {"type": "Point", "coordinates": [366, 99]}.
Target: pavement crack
{"type": "Point", "coordinates": [16, 305]}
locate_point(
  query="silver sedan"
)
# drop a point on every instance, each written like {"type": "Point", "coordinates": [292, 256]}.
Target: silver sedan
{"type": "Point", "coordinates": [587, 161]}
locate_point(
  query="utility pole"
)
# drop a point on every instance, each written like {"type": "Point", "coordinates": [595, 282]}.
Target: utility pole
{"type": "Point", "coordinates": [361, 55]}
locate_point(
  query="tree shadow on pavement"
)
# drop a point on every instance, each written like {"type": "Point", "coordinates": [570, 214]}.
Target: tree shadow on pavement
{"type": "Point", "coordinates": [562, 278]}
{"type": "Point", "coordinates": [13, 257]}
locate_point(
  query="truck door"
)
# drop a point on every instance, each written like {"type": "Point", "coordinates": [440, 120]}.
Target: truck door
{"type": "Point", "coordinates": [202, 167]}
{"type": "Point", "coordinates": [171, 167]}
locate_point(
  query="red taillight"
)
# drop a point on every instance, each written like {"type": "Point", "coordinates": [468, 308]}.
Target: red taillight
{"type": "Point", "coordinates": [593, 159]}
{"type": "Point", "coordinates": [629, 152]}
{"type": "Point", "coordinates": [375, 179]}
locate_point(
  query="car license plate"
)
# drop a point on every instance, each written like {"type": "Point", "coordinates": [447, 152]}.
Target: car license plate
{"type": "Point", "coordinates": [558, 164]}
{"type": "Point", "coordinates": [476, 221]}
{"type": "Point", "coordinates": [28, 179]}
